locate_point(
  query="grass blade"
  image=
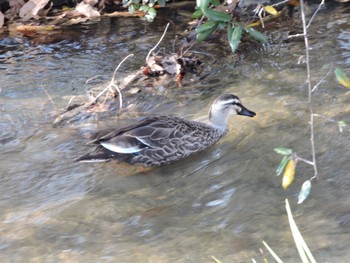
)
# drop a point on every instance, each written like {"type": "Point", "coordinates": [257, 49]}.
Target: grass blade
{"type": "Point", "coordinates": [215, 259]}
{"type": "Point", "coordinates": [272, 253]}
{"type": "Point", "coordinates": [304, 252]}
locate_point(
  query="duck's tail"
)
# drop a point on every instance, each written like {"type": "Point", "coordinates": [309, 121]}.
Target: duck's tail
{"type": "Point", "coordinates": [100, 154]}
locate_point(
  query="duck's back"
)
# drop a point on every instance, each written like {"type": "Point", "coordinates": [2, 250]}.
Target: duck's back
{"type": "Point", "coordinates": [157, 140]}
{"type": "Point", "coordinates": [174, 138]}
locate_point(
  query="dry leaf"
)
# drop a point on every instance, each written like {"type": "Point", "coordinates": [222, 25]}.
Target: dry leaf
{"type": "Point", "coordinates": [15, 6]}
{"type": "Point", "coordinates": [125, 14]}
{"type": "Point", "coordinates": [32, 8]}
{"type": "Point", "coordinates": [87, 10]}
{"type": "Point", "coordinates": [2, 19]}
{"type": "Point", "coordinates": [288, 175]}
{"type": "Point", "coordinates": [74, 21]}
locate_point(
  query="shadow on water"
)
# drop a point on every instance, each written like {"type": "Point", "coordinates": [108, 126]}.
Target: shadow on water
{"type": "Point", "coordinates": [222, 202]}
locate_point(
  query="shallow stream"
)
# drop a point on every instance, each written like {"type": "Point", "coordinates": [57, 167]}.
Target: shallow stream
{"type": "Point", "coordinates": [223, 202]}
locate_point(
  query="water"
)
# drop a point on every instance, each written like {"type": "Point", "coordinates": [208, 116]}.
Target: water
{"type": "Point", "coordinates": [222, 202]}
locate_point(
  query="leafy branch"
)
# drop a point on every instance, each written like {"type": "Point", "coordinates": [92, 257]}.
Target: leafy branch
{"type": "Point", "coordinates": [146, 6]}
{"type": "Point", "coordinates": [288, 164]}
{"type": "Point", "coordinates": [209, 10]}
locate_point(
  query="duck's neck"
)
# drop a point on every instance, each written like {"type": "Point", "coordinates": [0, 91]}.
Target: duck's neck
{"type": "Point", "coordinates": [218, 119]}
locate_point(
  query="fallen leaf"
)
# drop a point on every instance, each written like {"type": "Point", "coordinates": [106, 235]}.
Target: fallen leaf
{"type": "Point", "coordinates": [15, 6]}
{"type": "Point", "coordinates": [32, 8]}
{"type": "Point", "coordinates": [87, 10]}
{"type": "Point", "coordinates": [271, 10]}
{"type": "Point", "coordinates": [125, 14]}
{"type": "Point", "coordinates": [2, 19]}
{"type": "Point", "coordinates": [36, 28]}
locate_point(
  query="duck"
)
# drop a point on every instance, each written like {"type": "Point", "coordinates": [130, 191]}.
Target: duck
{"type": "Point", "coordinates": [160, 140]}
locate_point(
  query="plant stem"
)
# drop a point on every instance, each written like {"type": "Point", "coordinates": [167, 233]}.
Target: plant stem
{"type": "Point", "coordinates": [308, 71]}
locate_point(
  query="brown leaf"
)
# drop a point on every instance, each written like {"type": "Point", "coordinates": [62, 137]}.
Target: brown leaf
{"type": "Point", "coordinates": [15, 6]}
{"type": "Point", "coordinates": [125, 14]}
{"type": "Point", "coordinates": [87, 10]}
{"type": "Point", "coordinates": [2, 19]}
{"type": "Point", "coordinates": [32, 8]}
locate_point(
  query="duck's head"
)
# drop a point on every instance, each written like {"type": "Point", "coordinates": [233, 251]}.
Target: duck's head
{"type": "Point", "coordinates": [224, 106]}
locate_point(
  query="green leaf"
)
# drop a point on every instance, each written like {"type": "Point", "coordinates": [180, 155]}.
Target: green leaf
{"type": "Point", "coordinates": [131, 9]}
{"type": "Point", "coordinates": [282, 165]}
{"type": "Point", "coordinates": [152, 12]}
{"type": "Point", "coordinates": [206, 26]}
{"type": "Point", "coordinates": [144, 8]}
{"type": "Point", "coordinates": [256, 34]}
{"type": "Point", "coordinates": [236, 36]}
{"type": "Point", "coordinates": [202, 4]}
{"type": "Point", "coordinates": [161, 2]}
{"type": "Point", "coordinates": [326, 66]}
{"type": "Point", "coordinates": [126, 3]}
{"type": "Point", "coordinates": [304, 192]}
{"type": "Point", "coordinates": [283, 151]}
{"type": "Point", "coordinates": [197, 14]}
{"type": "Point", "coordinates": [148, 17]}
{"type": "Point", "coordinates": [229, 32]}
{"type": "Point", "coordinates": [205, 34]}
{"type": "Point", "coordinates": [341, 125]}
{"type": "Point", "coordinates": [222, 25]}
{"type": "Point", "coordinates": [215, 2]}
{"type": "Point", "coordinates": [217, 16]}
{"type": "Point", "coordinates": [342, 78]}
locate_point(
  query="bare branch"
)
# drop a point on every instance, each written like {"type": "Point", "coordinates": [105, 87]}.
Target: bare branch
{"type": "Point", "coordinates": [113, 84]}
{"type": "Point", "coordinates": [308, 72]}
{"type": "Point", "coordinates": [324, 77]}
{"type": "Point", "coordinates": [160, 40]}
{"type": "Point", "coordinates": [97, 76]}
{"type": "Point", "coordinates": [48, 95]}
{"type": "Point", "coordinates": [313, 16]}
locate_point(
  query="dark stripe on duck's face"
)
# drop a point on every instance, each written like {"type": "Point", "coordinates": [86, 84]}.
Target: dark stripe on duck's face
{"type": "Point", "coordinates": [245, 112]}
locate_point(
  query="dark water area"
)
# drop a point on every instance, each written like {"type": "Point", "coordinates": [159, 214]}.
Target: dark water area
{"type": "Point", "coordinates": [223, 202]}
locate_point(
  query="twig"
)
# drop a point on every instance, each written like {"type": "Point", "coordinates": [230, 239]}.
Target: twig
{"type": "Point", "coordinates": [324, 117]}
{"type": "Point", "coordinates": [160, 40]}
{"type": "Point", "coordinates": [340, 124]}
{"type": "Point", "coordinates": [174, 43]}
{"type": "Point", "coordinates": [87, 81]}
{"type": "Point", "coordinates": [313, 16]}
{"type": "Point", "coordinates": [282, 2]}
{"type": "Point", "coordinates": [116, 69]}
{"type": "Point", "coordinates": [193, 42]}
{"type": "Point", "coordinates": [324, 77]}
{"type": "Point", "coordinates": [306, 40]}
{"type": "Point", "coordinates": [48, 95]}
{"type": "Point", "coordinates": [191, 45]}
{"type": "Point", "coordinates": [304, 160]}
{"type": "Point", "coordinates": [296, 35]}
{"type": "Point", "coordinates": [112, 84]}
{"type": "Point", "coordinates": [70, 101]}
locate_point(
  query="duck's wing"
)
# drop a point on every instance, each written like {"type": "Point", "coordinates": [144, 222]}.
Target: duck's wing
{"type": "Point", "coordinates": [150, 133]}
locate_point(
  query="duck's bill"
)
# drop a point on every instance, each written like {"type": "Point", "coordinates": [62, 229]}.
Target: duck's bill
{"type": "Point", "coordinates": [246, 112]}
